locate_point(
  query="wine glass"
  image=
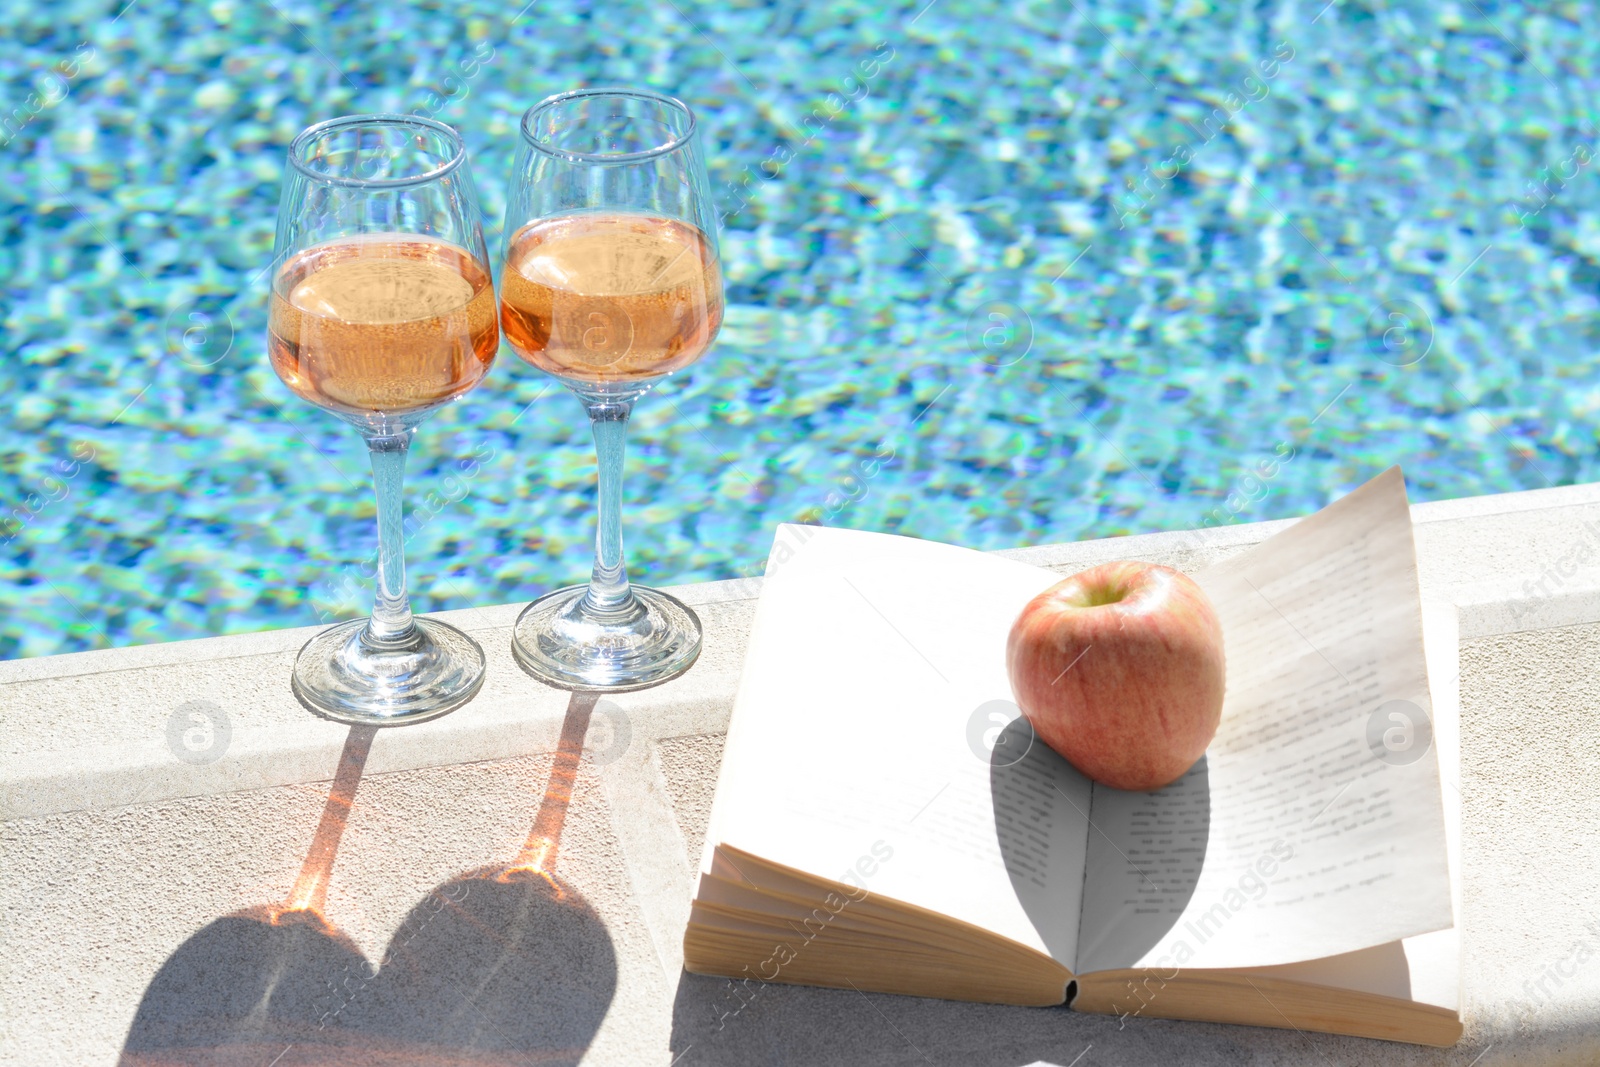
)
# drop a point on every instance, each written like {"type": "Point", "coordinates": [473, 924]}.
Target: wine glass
{"type": "Point", "coordinates": [611, 283]}
{"type": "Point", "coordinates": [383, 310]}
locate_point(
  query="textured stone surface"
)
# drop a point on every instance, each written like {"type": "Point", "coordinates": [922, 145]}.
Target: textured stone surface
{"type": "Point", "coordinates": [97, 901]}
{"type": "Point", "coordinates": [687, 763]}
{"type": "Point", "coordinates": [134, 878]}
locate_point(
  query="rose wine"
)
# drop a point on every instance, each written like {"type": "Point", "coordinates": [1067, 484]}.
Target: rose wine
{"type": "Point", "coordinates": [382, 323]}
{"type": "Point", "coordinates": [604, 298]}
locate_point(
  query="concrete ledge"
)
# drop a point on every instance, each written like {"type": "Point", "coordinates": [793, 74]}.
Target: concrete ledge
{"type": "Point", "coordinates": [90, 729]}
{"type": "Point", "coordinates": [125, 841]}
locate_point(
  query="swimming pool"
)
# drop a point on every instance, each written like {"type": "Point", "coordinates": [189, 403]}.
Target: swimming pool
{"type": "Point", "coordinates": [997, 275]}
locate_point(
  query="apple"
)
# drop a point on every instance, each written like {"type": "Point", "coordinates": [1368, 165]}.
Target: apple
{"type": "Point", "coordinates": [1119, 668]}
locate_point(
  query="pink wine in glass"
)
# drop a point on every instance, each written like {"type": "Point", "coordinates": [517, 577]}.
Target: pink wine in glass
{"type": "Point", "coordinates": [391, 323]}
{"type": "Point", "coordinates": [610, 297]}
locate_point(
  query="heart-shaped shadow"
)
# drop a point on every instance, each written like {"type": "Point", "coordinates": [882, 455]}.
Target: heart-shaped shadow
{"type": "Point", "coordinates": [494, 961]}
{"type": "Point", "coordinates": [484, 966]}
{"type": "Point", "coordinates": [246, 984]}
{"type": "Point", "coordinates": [498, 961]}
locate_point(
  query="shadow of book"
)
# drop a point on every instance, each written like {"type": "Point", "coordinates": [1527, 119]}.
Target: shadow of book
{"type": "Point", "coordinates": [504, 962]}
{"type": "Point", "coordinates": [721, 1022]}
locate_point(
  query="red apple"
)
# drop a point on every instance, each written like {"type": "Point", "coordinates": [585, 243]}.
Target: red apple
{"type": "Point", "coordinates": [1120, 669]}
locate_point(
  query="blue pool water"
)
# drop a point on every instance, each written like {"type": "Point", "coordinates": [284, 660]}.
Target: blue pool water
{"type": "Point", "coordinates": [998, 274]}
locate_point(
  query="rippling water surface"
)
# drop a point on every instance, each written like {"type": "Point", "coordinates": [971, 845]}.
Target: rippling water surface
{"type": "Point", "coordinates": [998, 274]}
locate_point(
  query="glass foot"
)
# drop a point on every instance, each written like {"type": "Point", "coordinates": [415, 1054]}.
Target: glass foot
{"type": "Point", "coordinates": [341, 677]}
{"type": "Point", "coordinates": [560, 643]}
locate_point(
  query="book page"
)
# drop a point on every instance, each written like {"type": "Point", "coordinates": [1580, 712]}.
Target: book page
{"type": "Point", "coordinates": [1425, 968]}
{"type": "Point", "coordinates": [1316, 816]}
{"type": "Point", "coordinates": [874, 713]}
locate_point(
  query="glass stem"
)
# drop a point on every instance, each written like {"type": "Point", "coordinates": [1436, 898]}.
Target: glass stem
{"type": "Point", "coordinates": [609, 592]}
{"type": "Point", "coordinates": [391, 623]}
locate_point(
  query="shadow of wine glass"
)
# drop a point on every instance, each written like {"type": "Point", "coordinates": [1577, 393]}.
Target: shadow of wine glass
{"type": "Point", "coordinates": [505, 958]}
{"type": "Point", "coordinates": [241, 990]}
{"type": "Point", "coordinates": [501, 960]}
{"type": "Point", "coordinates": [493, 962]}
{"type": "Point", "coordinates": [264, 977]}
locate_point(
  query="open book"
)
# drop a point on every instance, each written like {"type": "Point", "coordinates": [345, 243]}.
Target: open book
{"type": "Point", "coordinates": [886, 821]}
